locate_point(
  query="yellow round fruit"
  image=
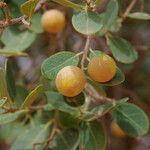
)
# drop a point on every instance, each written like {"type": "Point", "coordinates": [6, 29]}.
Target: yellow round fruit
{"type": "Point", "coordinates": [117, 131]}
{"type": "Point", "coordinates": [70, 81]}
{"type": "Point", "coordinates": [53, 21]}
{"type": "Point", "coordinates": [102, 68]}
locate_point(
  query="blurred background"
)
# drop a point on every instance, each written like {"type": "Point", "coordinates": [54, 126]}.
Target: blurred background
{"type": "Point", "coordinates": [137, 83]}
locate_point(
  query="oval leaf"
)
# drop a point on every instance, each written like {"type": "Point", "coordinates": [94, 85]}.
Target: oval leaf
{"type": "Point", "coordinates": [110, 16]}
{"type": "Point", "coordinates": [9, 117]}
{"type": "Point", "coordinates": [76, 101]}
{"type": "Point", "coordinates": [139, 15]}
{"type": "Point", "coordinates": [57, 101]}
{"type": "Point", "coordinates": [95, 53]}
{"type": "Point", "coordinates": [17, 41]}
{"type": "Point", "coordinates": [28, 7]}
{"type": "Point", "coordinates": [2, 102]}
{"type": "Point", "coordinates": [33, 95]}
{"type": "Point", "coordinates": [92, 136]}
{"type": "Point", "coordinates": [122, 50]}
{"type": "Point", "coordinates": [53, 64]}
{"type": "Point", "coordinates": [68, 121]}
{"type": "Point", "coordinates": [131, 119]}
{"type": "Point", "coordinates": [12, 53]}
{"type": "Point", "coordinates": [96, 111]}
{"type": "Point", "coordinates": [87, 22]}
{"type": "Point", "coordinates": [10, 79]}
{"type": "Point", "coordinates": [117, 79]}
{"type": "Point", "coordinates": [3, 87]}
{"type": "Point", "coordinates": [36, 25]}
{"type": "Point", "coordinates": [35, 135]}
{"type": "Point", "coordinates": [67, 140]}
{"type": "Point", "coordinates": [70, 4]}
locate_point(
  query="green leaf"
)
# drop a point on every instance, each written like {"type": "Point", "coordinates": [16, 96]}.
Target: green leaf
{"type": "Point", "coordinates": [30, 137]}
{"type": "Point", "coordinates": [9, 117]}
{"type": "Point", "coordinates": [92, 136]}
{"type": "Point", "coordinates": [57, 101]}
{"type": "Point", "coordinates": [70, 4]}
{"type": "Point", "coordinates": [2, 102]}
{"type": "Point", "coordinates": [3, 87]}
{"type": "Point", "coordinates": [19, 2]}
{"type": "Point", "coordinates": [95, 53]}
{"type": "Point", "coordinates": [139, 15]}
{"type": "Point", "coordinates": [36, 25]}
{"type": "Point", "coordinates": [28, 7]}
{"type": "Point", "coordinates": [11, 131]}
{"type": "Point", "coordinates": [117, 79]}
{"type": "Point", "coordinates": [76, 101]}
{"type": "Point", "coordinates": [98, 87]}
{"type": "Point", "coordinates": [131, 119]}
{"type": "Point", "coordinates": [96, 111]}
{"type": "Point", "coordinates": [17, 41]}
{"type": "Point", "coordinates": [53, 64]}
{"type": "Point", "coordinates": [48, 107]}
{"type": "Point", "coordinates": [122, 50]}
{"type": "Point", "coordinates": [33, 95]}
{"type": "Point", "coordinates": [14, 10]}
{"type": "Point", "coordinates": [110, 15]}
{"type": "Point", "coordinates": [86, 22]}
{"type": "Point", "coordinates": [67, 140]}
{"type": "Point", "coordinates": [10, 79]}
{"type": "Point", "coordinates": [12, 53]}
{"type": "Point", "coordinates": [21, 94]}
{"type": "Point", "coordinates": [68, 121]}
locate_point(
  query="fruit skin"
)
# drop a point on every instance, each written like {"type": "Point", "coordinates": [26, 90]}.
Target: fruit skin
{"type": "Point", "coordinates": [70, 81]}
{"type": "Point", "coordinates": [117, 131]}
{"type": "Point", "coordinates": [102, 68]}
{"type": "Point", "coordinates": [53, 21]}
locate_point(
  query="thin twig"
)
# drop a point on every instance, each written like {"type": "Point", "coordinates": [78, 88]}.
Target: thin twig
{"type": "Point", "coordinates": [4, 24]}
{"type": "Point", "coordinates": [85, 52]}
{"type": "Point", "coordinates": [8, 22]}
{"type": "Point", "coordinates": [96, 96]}
{"type": "Point", "coordinates": [129, 8]}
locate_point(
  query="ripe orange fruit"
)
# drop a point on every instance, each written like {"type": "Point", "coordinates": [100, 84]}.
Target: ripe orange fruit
{"type": "Point", "coordinates": [102, 68]}
{"type": "Point", "coordinates": [117, 131]}
{"type": "Point", "coordinates": [70, 81]}
{"type": "Point", "coordinates": [53, 21]}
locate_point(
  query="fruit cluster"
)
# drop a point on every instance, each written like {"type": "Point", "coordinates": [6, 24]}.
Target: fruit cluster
{"type": "Point", "coordinates": [70, 80]}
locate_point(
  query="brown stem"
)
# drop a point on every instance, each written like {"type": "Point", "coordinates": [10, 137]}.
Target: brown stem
{"type": "Point", "coordinates": [85, 52]}
{"type": "Point", "coordinates": [8, 21]}
{"type": "Point", "coordinates": [129, 8]}
{"type": "Point", "coordinates": [95, 96]}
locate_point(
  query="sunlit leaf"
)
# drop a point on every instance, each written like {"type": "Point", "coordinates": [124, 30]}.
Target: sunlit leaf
{"type": "Point", "coordinates": [33, 95]}
{"type": "Point", "coordinates": [122, 50]}
{"type": "Point", "coordinates": [67, 140]}
{"type": "Point", "coordinates": [90, 24]}
{"type": "Point", "coordinates": [92, 136]}
{"type": "Point", "coordinates": [28, 7]}
{"type": "Point", "coordinates": [10, 79]}
{"type": "Point", "coordinates": [53, 64]}
{"type": "Point", "coordinates": [139, 15]}
{"type": "Point", "coordinates": [9, 117]}
{"type": "Point", "coordinates": [35, 135]}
